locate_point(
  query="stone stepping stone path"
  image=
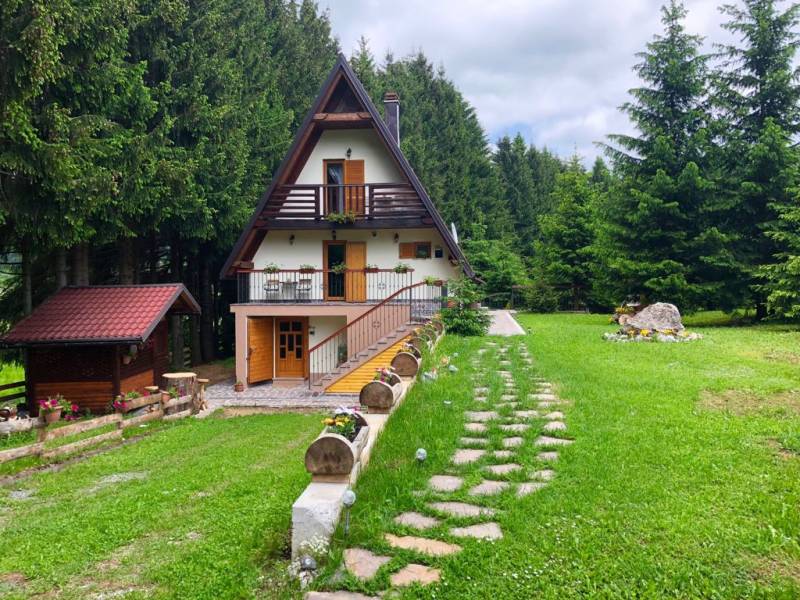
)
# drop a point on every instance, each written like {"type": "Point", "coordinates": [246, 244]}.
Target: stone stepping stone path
{"type": "Point", "coordinates": [513, 442]}
{"type": "Point", "coordinates": [482, 531]}
{"type": "Point", "coordinates": [554, 416]}
{"type": "Point", "coordinates": [422, 545]}
{"type": "Point", "coordinates": [414, 573]}
{"type": "Point", "coordinates": [546, 440]}
{"type": "Point", "coordinates": [416, 520]}
{"type": "Point", "coordinates": [473, 441]}
{"type": "Point", "coordinates": [481, 391]}
{"type": "Point", "coordinates": [523, 489]}
{"type": "Point", "coordinates": [445, 483]}
{"type": "Point", "coordinates": [503, 469]}
{"type": "Point", "coordinates": [526, 414]}
{"type": "Point", "coordinates": [489, 487]}
{"type": "Point", "coordinates": [548, 404]}
{"type": "Point", "coordinates": [547, 456]}
{"type": "Point", "coordinates": [502, 454]}
{"type": "Point", "coordinates": [507, 404]}
{"type": "Point", "coordinates": [515, 427]}
{"type": "Point", "coordinates": [363, 564]}
{"type": "Point", "coordinates": [461, 510]}
{"type": "Point", "coordinates": [475, 427]}
{"type": "Point", "coordinates": [508, 397]}
{"type": "Point", "coordinates": [544, 474]}
{"type": "Point", "coordinates": [482, 416]}
{"type": "Point", "coordinates": [465, 456]}
{"type": "Point", "coordinates": [544, 396]}
{"type": "Point", "coordinates": [339, 596]}
{"type": "Point", "coordinates": [554, 426]}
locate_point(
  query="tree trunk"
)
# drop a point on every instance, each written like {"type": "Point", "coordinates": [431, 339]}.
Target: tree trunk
{"type": "Point", "coordinates": [61, 267]}
{"type": "Point", "coordinates": [80, 264]}
{"type": "Point", "coordinates": [206, 300]}
{"type": "Point", "coordinates": [176, 331]}
{"type": "Point", "coordinates": [197, 354]}
{"type": "Point", "coordinates": [127, 261]}
{"type": "Point", "coordinates": [761, 311]}
{"type": "Point", "coordinates": [27, 277]}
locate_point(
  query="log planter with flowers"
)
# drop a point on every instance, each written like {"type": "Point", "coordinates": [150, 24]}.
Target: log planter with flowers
{"type": "Point", "coordinates": [335, 454]}
{"type": "Point", "coordinates": [380, 395]}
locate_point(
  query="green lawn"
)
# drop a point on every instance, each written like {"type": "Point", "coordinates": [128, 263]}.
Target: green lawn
{"type": "Point", "coordinates": [196, 511]}
{"type": "Point", "coordinates": [675, 488]}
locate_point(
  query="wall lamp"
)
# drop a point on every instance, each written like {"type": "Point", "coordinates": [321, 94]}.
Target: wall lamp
{"type": "Point", "coordinates": [291, 240]}
{"type": "Point", "coordinates": [349, 153]}
{"type": "Point", "coordinates": [333, 234]}
{"type": "Point", "coordinates": [396, 237]}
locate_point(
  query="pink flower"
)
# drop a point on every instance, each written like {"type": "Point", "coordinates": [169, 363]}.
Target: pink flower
{"type": "Point", "coordinates": [53, 402]}
{"type": "Point", "coordinates": [74, 407]}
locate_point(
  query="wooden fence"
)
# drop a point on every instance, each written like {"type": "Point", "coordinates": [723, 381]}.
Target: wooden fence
{"type": "Point", "coordinates": [160, 409]}
{"type": "Point", "coordinates": [7, 397]}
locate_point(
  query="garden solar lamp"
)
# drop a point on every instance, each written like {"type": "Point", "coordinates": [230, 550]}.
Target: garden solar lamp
{"type": "Point", "coordinates": [421, 455]}
{"type": "Point", "coordinates": [348, 499]}
{"type": "Point", "coordinates": [307, 563]}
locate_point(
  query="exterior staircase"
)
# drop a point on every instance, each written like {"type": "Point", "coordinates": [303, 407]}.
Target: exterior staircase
{"type": "Point", "coordinates": [359, 376]}
{"type": "Point", "coordinates": [382, 327]}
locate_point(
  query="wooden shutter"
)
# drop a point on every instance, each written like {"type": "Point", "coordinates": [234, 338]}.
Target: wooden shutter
{"type": "Point", "coordinates": [354, 175]}
{"type": "Point", "coordinates": [407, 250]}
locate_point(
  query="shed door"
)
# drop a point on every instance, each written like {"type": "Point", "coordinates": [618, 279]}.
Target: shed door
{"type": "Point", "coordinates": [260, 354]}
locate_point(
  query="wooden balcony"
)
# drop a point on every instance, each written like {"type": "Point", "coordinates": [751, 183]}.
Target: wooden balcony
{"type": "Point", "coordinates": [366, 205]}
{"type": "Point", "coordinates": [319, 286]}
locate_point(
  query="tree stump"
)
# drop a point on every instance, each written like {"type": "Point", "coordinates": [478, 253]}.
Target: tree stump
{"type": "Point", "coordinates": [379, 396]}
{"type": "Point", "coordinates": [405, 364]}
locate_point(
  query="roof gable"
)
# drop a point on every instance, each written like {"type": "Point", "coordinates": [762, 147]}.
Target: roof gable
{"type": "Point", "coordinates": [101, 314]}
{"type": "Point", "coordinates": [342, 94]}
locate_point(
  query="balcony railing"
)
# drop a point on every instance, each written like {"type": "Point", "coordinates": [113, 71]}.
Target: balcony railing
{"type": "Point", "coordinates": [372, 201]}
{"type": "Point", "coordinates": [295, 286]}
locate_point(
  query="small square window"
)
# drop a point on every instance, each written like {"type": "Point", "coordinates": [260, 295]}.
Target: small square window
{"type": "Point", "coordinates": [422, 249]}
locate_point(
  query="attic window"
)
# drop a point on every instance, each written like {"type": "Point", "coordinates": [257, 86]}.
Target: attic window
{"type": "Point", "coordinates": [415, 250]}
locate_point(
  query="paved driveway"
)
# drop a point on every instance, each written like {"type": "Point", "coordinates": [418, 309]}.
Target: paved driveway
{"type": "Point", "coordinates": [503, 323]}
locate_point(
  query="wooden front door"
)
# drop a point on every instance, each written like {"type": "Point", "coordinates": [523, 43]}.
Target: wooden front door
{"type": "Point", "coordinates": [354, 192]}
{"type": "Point", "coordinates": [356, 278]}
{"type": "Point", "coordinates": [292, 346]}
{"type": "Point", "coordinates": [260, 355]}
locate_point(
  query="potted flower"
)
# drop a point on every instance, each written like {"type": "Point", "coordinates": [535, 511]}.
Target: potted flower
{"type": "Point", "coordinates": [401, 268]}
{"type": "Point", "coordinates": [271, 268]}
{"type": "Point", "coordinates": [238, 386]}
{"type": "Point", "coordinates": [382, 374]}
{"type": "Point", "coordinates": [52, 407]}
{"type": "Point", "coordinates": [119, 404]}
{"type": "Point", "coordinates": [339, 268]}
{"type": "Point", "coordinates": [306, 268]}
{"type": "Point", "coordinates": [348, 216]}
{"type": "Point", "coordinates": [433, 281]}
{"type": "Point", "coordinates": [344, 423]}
{"type": "Point", "coordinates": [371, 268]}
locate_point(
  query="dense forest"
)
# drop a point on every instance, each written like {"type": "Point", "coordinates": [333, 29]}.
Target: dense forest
{"type": "Point", "coordinates": [137, 135]}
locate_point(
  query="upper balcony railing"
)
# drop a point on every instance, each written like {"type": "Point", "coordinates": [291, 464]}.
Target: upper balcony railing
{"type": "Point", "coordinates": [303, 286]}
{"type": "Point", "coordinates": [371, 201]}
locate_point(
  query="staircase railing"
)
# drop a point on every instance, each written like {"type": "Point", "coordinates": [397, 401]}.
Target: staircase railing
{"type": "Point", "coordinates": [412, 304]}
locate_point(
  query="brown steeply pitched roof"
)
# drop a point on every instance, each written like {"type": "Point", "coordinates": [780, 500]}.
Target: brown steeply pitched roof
{"type": "Point", "coordinates": [249, 240]}
{"type": "Point", "coordinates": [105, 314]}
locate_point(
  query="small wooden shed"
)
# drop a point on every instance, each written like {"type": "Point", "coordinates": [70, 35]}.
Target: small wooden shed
{"type": "Point", "coordinates": [91, 343]}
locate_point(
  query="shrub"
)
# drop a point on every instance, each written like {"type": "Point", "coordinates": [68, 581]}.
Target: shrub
{"type": "Point", "coordinates": [462, 320]}
{"type": "Point", "coordinates": [540, 297]}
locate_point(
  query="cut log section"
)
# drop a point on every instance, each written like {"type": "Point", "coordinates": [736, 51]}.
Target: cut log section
{"type": "Point", "coordinates": [379, 396]}
{"type": "Point", "coordinates": [405, 364]}
{"type": "Point", "coordinates": [332, 457]}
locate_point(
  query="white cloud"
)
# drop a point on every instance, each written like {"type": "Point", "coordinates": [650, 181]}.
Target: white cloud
{"type": "Point", "coordinates": [556, 70]}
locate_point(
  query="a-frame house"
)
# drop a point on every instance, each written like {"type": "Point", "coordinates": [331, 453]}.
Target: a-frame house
{"type": "Point", "coordinates": [339, 258]}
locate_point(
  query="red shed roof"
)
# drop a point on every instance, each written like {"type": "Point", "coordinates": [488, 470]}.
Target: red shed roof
{"type": "Point", "coordinates": [101, 314]}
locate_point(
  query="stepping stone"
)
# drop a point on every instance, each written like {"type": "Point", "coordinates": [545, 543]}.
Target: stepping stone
{"type": "Point", "coordinates": [488, 487]}
{"type": "Point", "coordinates": [503, 469]}
{"type": "Point", "coordinates": [505, 373]}
{"type": "Point", "coordinates": [515, 427]}
{"type": "Point", "coordinates": [445, 483]}
{"type": "Point", "coordinates": [555, 426]}
{"type": "Point", "coordinates": [502, 454]}
{"type": "Point", "coordinates": [363, 563]}
{"type": "Point", "coordinates": [543, 396]}
{"type": "Point", "coordinates": [475, 427]}
{"type": "Point", "coordinates": [338, 596]}
{"type": "Point", "coordinates": [414, 573]}
{"type": "Point", "coordinates": [506, 397]}
{"type": "Point", "coordinates": [505, 363]}
{"type": "Point", "coordinates": [423, 545]}
{"type": "Point", "coordinates": [546, 440]}
{"type": "Point", "coordinates": [547, 456]}
{"type": "Point", "coordinates": [465, 456]}
{"type": "Point", "coordinates": [526, 414]}
{"type": "Point", "coordinates": [544, 405]}
{"type": "Point", "coordinates": [481, 391]}
{"type": "Point", "coordinates": [544, 474]}
{"type": "Point", "coordinates": [554, 416]}
{"type": "Point", "coordinates": [461, 509]}
{"type": "Point", "coordinates": [482, 531]}
{"type": "Point", "coordinates": [523, 489]}
{"type": "Point", "coordinates": [482, 416]}
{"type": "Point", "coordinates": [416, 520]}
{"type": "Point", "coordinates": [473, 441]}
{"type": "Point", "coordinates": [512, 442]}
{"type": "Point", "coordinates": [507, 404]}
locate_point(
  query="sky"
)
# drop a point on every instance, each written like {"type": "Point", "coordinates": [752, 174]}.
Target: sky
{"type": "Point", "coordinates": [554, 70]}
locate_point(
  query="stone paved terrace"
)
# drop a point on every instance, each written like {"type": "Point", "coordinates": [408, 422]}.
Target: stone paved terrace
{"type": "Point", "coordinates": [273, 398]}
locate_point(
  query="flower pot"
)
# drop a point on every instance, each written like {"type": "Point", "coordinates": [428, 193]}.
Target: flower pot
{"type": "Point", "coordinates": [52, 416]}
{"type": "Point", "coordinates": [238, 387]}
{"type": "Point", "coordinates": [126, 359]}
{"type": "Point", "coordinates": [165, 397]}
{"type": "Point", "coordinates": [451, 304]}
{"type": "Point", "coordinates": [474, 305]}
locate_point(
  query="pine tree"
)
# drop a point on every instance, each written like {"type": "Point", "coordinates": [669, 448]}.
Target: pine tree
{"type": "Point", "coordinates": [519, 188]}
{"type": "Point", "coordinates": [660, 238]}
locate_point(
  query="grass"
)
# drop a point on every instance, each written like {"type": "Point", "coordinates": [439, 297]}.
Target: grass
{"type": "Point", "coordinates": [194, 511]}
{"type": "Point", "coordinates": [663, 495]}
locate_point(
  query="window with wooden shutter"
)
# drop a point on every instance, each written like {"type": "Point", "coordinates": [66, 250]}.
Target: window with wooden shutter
{"type": "Point", "coordinates": [407, 250]}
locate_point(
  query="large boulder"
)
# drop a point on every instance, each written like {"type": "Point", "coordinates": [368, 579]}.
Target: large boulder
{"type": "Point", "coordinates": [660, 317]}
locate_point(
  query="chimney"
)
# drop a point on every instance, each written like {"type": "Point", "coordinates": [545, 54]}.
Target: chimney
{"type": "Point", "coordinates": [391, 112]}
